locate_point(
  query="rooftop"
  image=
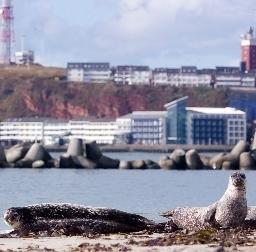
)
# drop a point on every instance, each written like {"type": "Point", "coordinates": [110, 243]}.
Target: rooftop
{"type": "Point", "coordinates": [170, 104]}
{"type": "Point", "coordinates": [219, 111]}
{"type": "Point", "coordinates": [132, 68]}
{"type": "Point", "coordinates": [35, 120]}
{"type": "Point", "coordinates": [92, 119]}
{"type": "Point", "coordinates": [166, 70]}
{"type": "Point", "coordinates": [89, 65]}
{"type": "Point", "coordinates": [145, 114]}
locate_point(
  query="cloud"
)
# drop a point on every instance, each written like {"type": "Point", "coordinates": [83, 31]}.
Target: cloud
{"type": "Point", "coordinates": [139, 18]}
{"type": "Point", "coordinates": [135, 31]}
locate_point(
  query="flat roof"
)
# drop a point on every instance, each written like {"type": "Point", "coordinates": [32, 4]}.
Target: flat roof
{"type": "Point", "coordinates": [35, 120]}
{"type": "Point", "coordinates": [92, 119]}
{"type": "Point", "coordinates": [121, 68]}
{"type": "Point", "coordinates": [223, 111]}
{"type": "Point", "coordinates": [144, 114]}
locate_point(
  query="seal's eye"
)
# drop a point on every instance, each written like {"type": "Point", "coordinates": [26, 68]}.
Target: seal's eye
{"type": "Point", "coordinates": [14, 216]}
{"type": "Point", "coordinates": [243, 175]}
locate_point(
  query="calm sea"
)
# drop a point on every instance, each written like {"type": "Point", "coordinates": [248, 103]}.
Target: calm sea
{"type": "Point", "coordinates": [144, 192]}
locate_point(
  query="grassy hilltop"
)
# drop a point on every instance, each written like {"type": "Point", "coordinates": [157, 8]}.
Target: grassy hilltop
{"type": "Point", "coordinates": [41, 91]}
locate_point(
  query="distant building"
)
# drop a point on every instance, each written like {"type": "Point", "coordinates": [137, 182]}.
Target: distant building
{"type": "Point", "coordinates": [102, 131]}
{"type": "Point", "coordinates": [133, 75]}
{"type": "Point", "coordinates": [24, 57]}
{"type": "Point", "coordinates": [166, 76]}
{"type": "Point", "coordinates": [55, 131]}
{"type": "Point", "coordinates": [248, 50]}
{"type": "Point", "coordinates": [215, 125]}
{"type": "Point", "coordinates": [248, 80]}
{"type": "Point", "coordinates": [180, 124]}
{"type": "Point", "coordinates": [89, 72]}
{"type": "Point", "coordinates": [227, 77]}
{"type": "Point", "coordinates": [227, 70]}
{"type": "Point", "coordinates": [22, 129]}
{"type": "Point", "coordinates": [146, 127]}
{"type": "Point", "coordinates": [49, 130]}
{"type": "Point", "coordinates": [176, 121]}
{"type": "Point", "coordinates": [227, 80]}
{"type": "Point", "coordinates": [188, 76]}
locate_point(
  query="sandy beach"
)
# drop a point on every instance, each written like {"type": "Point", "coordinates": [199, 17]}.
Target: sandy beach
{"type": "Point", "coordinates": [132, 242]}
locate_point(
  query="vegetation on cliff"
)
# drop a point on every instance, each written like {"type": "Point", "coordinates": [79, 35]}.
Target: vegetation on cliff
{"type": "Point", "coordinates": [42, 92]}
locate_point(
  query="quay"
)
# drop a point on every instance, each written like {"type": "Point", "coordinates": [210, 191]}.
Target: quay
{"type": "Point", "coordinates": [151, 148]}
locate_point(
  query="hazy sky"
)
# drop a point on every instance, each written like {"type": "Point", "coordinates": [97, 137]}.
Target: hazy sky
{"type": "Point", "coordinates": [159, 33]}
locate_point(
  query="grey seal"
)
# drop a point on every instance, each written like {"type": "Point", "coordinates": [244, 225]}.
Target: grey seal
{"type": "Point", "coordinates": [55, 217]}
{"type": "Point", "coordinates": [70, 227]}
{"type": "Point", "coordinates": [230, 211]}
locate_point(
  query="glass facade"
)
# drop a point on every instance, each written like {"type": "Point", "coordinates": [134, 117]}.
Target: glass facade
{"type": "Point", "coordinates": [209, 131]}
{"type": "Point", "coordinates": [176, 121]}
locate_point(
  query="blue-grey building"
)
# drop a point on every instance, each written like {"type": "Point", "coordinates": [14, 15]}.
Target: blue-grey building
{"type": "Point", "coordinates": [215, 125]}
{"type": "Point", "coordinates": [144, 127]}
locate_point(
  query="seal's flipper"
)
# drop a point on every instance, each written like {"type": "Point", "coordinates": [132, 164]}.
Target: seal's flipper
{"type": "Point", "coordinates": [11, 234]}
{"type": "Point", "coordinates": [210, 213]}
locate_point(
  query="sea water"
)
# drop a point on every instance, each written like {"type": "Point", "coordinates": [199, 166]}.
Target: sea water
{"type": "Point", "coordinates": [147, 192]}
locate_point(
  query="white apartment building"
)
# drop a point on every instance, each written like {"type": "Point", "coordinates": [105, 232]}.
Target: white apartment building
{"type": "Point", "coordinates": [54, 129]}
{"type": "Point", "coordinates": [227, 80]}
{"type": "Point", "coordinates": [22, 129]}
{"type": "Point", "coordinates": [133, 75]}
{"type": "Point", "coordinates": [145, 127]}
{"type": "Point", "coordinates": [215, 125]}
{"type": "Point", "coordinates": [166, 76]}
{"type": "Point", "coordinates": [185, 76]}
{"type": "Point", "coordinates": [100, 130]}
{"type": "Point", "coordinates": [248, 80]}
{"type": "Point", "coordinates": [49, 131]}
{"type": "Point", "coordinates": [188, 76]}
{"type": "Point", "coordinates": [89, 72]}
{"type": "Point", "coordinates": [227, 77]}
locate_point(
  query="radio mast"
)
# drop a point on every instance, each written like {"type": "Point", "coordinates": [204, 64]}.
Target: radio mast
{"type": "Point", "coordinates": [6, 31]}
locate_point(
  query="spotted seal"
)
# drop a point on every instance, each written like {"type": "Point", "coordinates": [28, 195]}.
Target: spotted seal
{"type": "Point", "coordinates": [69, 227]}
{"type": "Point", "coordinates": [74, 219]}
{"type": "Point", "coordinates": [229, 211]}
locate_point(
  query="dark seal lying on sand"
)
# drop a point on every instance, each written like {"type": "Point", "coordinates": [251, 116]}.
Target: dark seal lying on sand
{"type": "Point", "coordinates": [72, 220]}
{"type": "Point", "coordinates": [230, 211]}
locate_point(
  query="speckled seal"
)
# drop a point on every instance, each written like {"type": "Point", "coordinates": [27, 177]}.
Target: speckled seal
{"type": "Point", "coordinates": [69, 227]}
{"type": "Point", "coordinates": [230, 211]}
{"type": "Point", "coordinates": [74, 219]}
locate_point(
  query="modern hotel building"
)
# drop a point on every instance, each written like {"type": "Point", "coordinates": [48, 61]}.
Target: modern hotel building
{"type": "Point", "coordinates": [215, 125]}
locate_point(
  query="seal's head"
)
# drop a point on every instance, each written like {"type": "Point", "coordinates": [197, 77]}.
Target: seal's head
{"type": "Point", "coordinates": [15, 217]}
{"type": "Point", "coordinates": [238, 180]}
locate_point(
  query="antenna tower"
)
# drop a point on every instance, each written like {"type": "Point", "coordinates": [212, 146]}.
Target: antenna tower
{"type": "Point", "coordinates": [6, 31]}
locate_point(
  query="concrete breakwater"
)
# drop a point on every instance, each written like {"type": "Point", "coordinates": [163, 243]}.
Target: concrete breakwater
{"type": "Point", "coordinates": [89, 156]}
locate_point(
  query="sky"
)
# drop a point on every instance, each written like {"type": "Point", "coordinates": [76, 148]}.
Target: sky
{"type": "Point", "coordinates": [158, 33]}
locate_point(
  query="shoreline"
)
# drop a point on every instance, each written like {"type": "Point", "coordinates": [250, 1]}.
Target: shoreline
{"type": "Point", "coordinates": [118, 242]}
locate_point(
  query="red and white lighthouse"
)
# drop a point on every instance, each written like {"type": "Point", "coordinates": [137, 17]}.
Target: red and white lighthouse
{"type": "Point", "coordinates": [248, 47]}
{"type": "Point", "coordinates": [6, 33]}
